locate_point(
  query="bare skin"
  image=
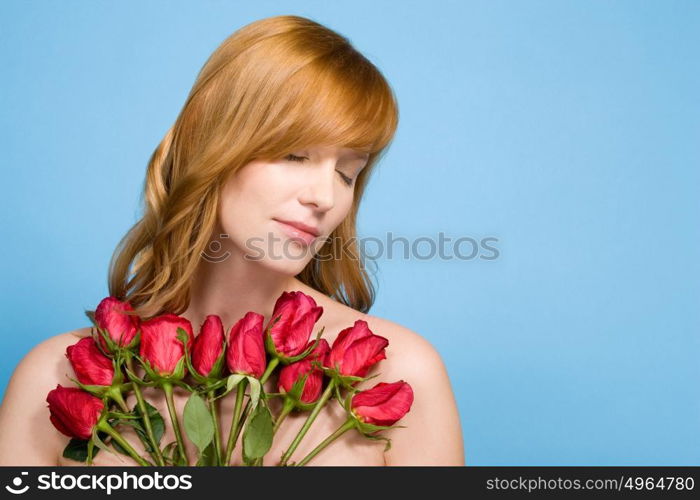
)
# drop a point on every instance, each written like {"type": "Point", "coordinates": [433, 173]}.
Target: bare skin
{"type": "Point", "coordinates": [432, 435]}
{"type": "Point", "coordinates": [251, 205]}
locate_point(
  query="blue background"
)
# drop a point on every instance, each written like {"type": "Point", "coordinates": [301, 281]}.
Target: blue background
{"type": "Point", "coordinates": [568, 130]}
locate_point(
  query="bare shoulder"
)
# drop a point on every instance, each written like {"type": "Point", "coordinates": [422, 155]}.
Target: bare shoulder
{"type": "Point", "coordinates": [26, 436]}
{"type": "Point", "coordinates": [50, 351]}
{"type": "Point", "coordinates": [48, 357]}
{"type": "Point", "coordinates": [400, 335]}
{"type": "Point", "coordinates": [412, 358]}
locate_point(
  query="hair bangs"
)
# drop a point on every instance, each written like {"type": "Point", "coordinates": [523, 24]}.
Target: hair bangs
{"type": "Point", "coordinates": [338, 99]}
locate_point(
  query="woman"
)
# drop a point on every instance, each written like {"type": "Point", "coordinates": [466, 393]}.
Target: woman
{"type": "Point", "coordinates": [254, 191]}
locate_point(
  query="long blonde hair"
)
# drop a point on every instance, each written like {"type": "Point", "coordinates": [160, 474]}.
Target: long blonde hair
{"type": "Point", "coordinates": [273, 86]}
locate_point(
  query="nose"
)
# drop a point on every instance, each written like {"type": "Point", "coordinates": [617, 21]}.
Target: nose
{"type": "Point", "coordinates": [319, 187]}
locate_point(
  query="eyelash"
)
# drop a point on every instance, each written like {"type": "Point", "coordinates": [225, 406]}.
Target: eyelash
{"type": "Point", "coordinates": [347, 180]}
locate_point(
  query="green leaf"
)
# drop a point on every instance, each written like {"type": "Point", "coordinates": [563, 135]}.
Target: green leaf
{"type": "Point", "coordinates": [233, 381]}
{"type": "Point", "coordinates": [157, 424]}
{"type": "Point", "coordinates": [247, 460]}
{"type": "Point", "coordinates": [208, 458]}
{"type": "Point", "coordinates": [170, 453]}
{"type": "Point", "coordinates": [131, 423]}
{"type": "Point", "coordinates": [119, 448]}
{"type": "Point", "coordinates": [257, 438]}
{"type": "Point", "coordinates": [77, 449]}
{"type": "Point", "coordinates": [255, 388]}
{"type": "Point", "coordinates": [199, 424]}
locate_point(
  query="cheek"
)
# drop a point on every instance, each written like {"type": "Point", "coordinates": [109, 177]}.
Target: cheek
{"type": "Point", "coordinates": [265, 182]}
{"type": "Point", "coordinates": [250, 197]}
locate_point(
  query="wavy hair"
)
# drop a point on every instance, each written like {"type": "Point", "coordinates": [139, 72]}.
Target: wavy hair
{"type": "Point", "coordinates": [274, 86]}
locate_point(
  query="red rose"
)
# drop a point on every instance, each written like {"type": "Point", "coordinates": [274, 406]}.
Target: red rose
{"type": "Point", "coordinates": [208, 345]}
{"type": "Point", "coordinates": [356, 349]}
{"type": "Point", "coordinates": [245, 353]}
{"type": "Point", "coordinates": [291, 373]}
{"type": "Point", "coordinates": [90, 365]}
{"type": "Point", "coordinates": [160, 346]}
{"type": "Point", "coordinates": [383, 404]}
{"type": "Point", "coordinates": [74, 412]}
{"type": "Point", "coordinates": [298, 314]}
{"type": "Point", "coordinates": [109, 316]}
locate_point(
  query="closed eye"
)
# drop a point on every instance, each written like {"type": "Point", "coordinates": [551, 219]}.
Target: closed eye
{"type": "Point", "coordinates": [292, 157]}
{"type": "Point", "coordinates": [301, 159]}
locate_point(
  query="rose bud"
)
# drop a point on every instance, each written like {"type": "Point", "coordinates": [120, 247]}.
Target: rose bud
{"type": "Point", "coordinates": [355, 350]}
{"type": "Point", "coordinates": [384, 404]}
{"type": "Point", "coordinates": [121, 327]}
{"type": "Point", "coordinates": [245, 353]}
{"type": "Point", "coordinates": [90, 365]}
{"type": "Point", "coordinates": [292, 373]}
{"type": "Point", "coordinates": [74, 412]}
{"type": "Point", "coordinates": [289, 335]}
{"type": "Point", "coordinates": [208, 346]}
{"type": "Point", "coordinates": [160, 346]}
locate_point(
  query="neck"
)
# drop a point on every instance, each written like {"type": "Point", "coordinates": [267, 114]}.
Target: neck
{"type": "Point", "coordinates": [232, 288]}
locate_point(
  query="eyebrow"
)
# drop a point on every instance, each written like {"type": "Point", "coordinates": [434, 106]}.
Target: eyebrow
{"type": "Point", "coordinates": [358, 155]}
{"type": "Point", "coordinates": [351, 153]}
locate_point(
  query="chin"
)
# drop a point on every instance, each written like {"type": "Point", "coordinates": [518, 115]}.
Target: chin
{"type": "Point", "coordinates": [285, 266]}
{"type": "Point", "coordinates": [286, 257]}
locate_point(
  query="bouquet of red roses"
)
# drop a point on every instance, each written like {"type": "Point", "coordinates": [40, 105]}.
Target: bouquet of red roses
{"type": "Point", "coordinates": [212, 366]}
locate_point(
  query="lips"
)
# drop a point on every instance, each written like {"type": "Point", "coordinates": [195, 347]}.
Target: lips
{"type": "Point", "coordinates": [301, 226]}
{"type": "Point", "coordinates": [299, 231]}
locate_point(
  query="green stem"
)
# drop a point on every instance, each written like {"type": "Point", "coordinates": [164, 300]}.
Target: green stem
{"type": "Point", "coordinates": [168, 388]}
{"type": "Point", "coordinates": [349, 424]}
{"type": "Point", "coordinates": [238, 422]}
{"type": "Point", "coordinates": [268, 371]}
{"type": "Point", "coordinates": [217, 433]}
{"type": "Point", "coordinates": [286, 410]}
{"type": "Point", "coordinates": [104, 426]}
{"type": "Point", "coordinates": [310, 420]}
{"type": "Point", "coordinates": [242, 420]}
{"type": "Point", "coordinates": [270, 368]}
{"type": "Point", "coordinates": [155, 453]}
{"type": "Point", "coordinates": [233, 433]}
{"type": "Point", "coordinates": [116, 395]}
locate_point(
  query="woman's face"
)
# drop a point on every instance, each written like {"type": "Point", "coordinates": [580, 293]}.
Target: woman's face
{"type": "Point", "coordinates": [262, 203]}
